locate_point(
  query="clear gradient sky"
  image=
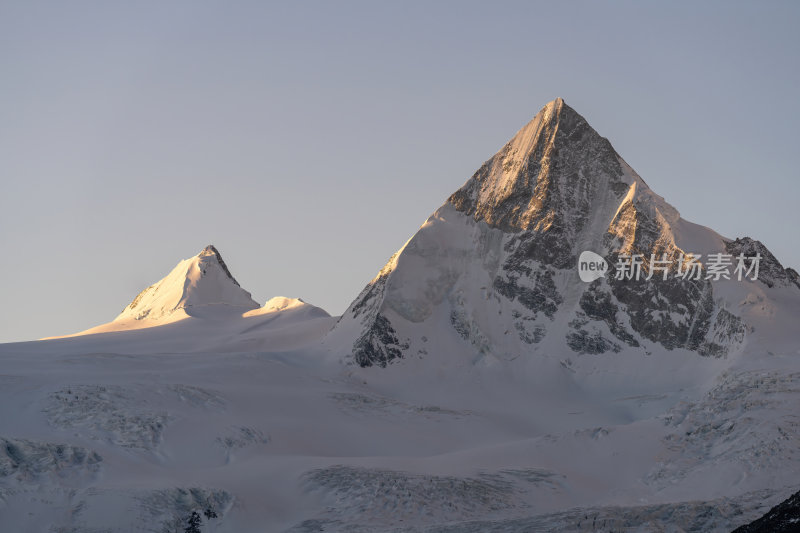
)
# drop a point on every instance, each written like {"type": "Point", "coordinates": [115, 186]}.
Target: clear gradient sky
{"type": "Point", "coordinates": [308, 141]}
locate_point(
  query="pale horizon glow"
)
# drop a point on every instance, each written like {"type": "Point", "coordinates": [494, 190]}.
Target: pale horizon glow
{"type": "Point", "coordinates": [309, 141]}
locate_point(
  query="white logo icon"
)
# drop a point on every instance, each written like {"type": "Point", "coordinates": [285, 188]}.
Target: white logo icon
{"type": "Point", "coordinates": [591, 266]}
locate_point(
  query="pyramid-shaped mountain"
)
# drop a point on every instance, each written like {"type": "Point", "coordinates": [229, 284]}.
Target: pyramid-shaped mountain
{"type": "Point", "coordinates": [195, 285]}
{"type": "Point", "coordinates": [494, 270]}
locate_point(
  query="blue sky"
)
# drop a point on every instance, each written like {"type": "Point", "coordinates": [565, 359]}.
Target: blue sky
{"type": "Point", "coordinates": [308, 141]}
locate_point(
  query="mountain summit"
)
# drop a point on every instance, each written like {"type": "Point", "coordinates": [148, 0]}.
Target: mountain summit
{"type": "Point", "coordinates": [558, 178]}
{"type": "Point", "coordinates": [193, 286]}
{"type": "Point", "coordinates": [494, 270]}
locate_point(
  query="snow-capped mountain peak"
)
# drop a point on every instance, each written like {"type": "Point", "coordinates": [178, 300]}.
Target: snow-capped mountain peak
{"type": "Point", "coordinates": [295, 307]}
{"type": "Point", "coordinates": [280, 303]}
{"type": "Point", "coordinates": [196, 283]}
{"type": "Point", "coordinates": [558, 177]}
{"type": "Point", "coordinates": [496, 265]}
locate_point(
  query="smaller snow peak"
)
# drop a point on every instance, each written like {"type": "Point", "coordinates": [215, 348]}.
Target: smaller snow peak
{"type": "Point", "coordinates": [195, 286]}
{"type": "Point", "coordinates": [279, 303]}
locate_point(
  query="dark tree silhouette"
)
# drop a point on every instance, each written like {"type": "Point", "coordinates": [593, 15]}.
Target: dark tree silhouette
{"type": "Point", "coordinates": [210, 513]}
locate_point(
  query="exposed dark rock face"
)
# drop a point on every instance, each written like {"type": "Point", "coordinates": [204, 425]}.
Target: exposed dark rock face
{"type": "Point", "coordinates": [783, 518]}
{"type": "Point", "coordinates": [770, 271]}
{"type": "Point", "coordinates": [598, 304]}
{"type": "Point", "coordinates": [535, 290]}
{"type": "Point", "coordinates": [653, 306]}
{"type": "Point", "coordinates": [583, 342]}
{"type": "Point", "coordinates": [378, 345]}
